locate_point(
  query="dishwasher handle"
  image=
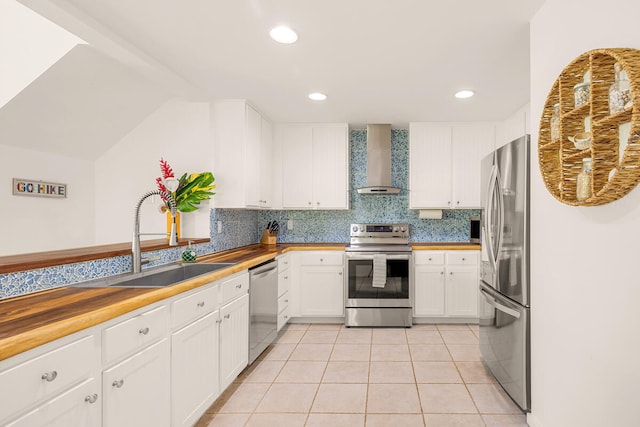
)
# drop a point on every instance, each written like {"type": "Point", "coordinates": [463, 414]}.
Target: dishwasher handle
{"type": "Point", "coordinates": [263, 270]}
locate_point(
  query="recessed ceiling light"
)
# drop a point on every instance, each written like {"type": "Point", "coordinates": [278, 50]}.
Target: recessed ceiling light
{"type": "Point", "coordinates": [317, 96]}
{"type": "Point", "coordinates": [462, 94]}
{"type": "Point", "coordinates": [283, 34]}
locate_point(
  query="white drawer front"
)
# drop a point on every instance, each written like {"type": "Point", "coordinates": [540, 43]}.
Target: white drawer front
{"type": "Point", "coordinates": [462, 257]}
{"type": "Point", "coordinates": [321, 258]}
{"type": "Point", "coordinates": [234, 287]}
{"type": "Point", "coordinates": [46, 375]}
{"type": "Point", "coordinates": [283, 301]}
{"type": "Point", "coordinates": [284, 279]}
{"type": "Point", "coordinates": [429, 257]}
{"type": "Point", "coordinates": [191, 307]}
{"type": "Point", "coordinates": [135, 333]}
{"type": "Point", "coordinates": [284, 263]}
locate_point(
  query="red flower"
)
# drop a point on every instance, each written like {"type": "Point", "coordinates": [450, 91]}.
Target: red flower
{"type": "Point", "coordinates": [166, 170]}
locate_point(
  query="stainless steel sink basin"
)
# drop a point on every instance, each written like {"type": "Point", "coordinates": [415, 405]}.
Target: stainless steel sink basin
{"type": "Point", "coordinates": [159, 277]}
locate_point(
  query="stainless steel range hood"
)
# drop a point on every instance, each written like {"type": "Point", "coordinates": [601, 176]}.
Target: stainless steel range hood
{"type": "Point", "coordinates": [378, 161]}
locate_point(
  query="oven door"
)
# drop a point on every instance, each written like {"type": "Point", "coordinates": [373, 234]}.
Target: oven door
{"type": "Point", "coordinates": [359, 291]}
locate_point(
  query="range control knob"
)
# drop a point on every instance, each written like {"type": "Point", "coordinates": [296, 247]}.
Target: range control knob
{"type": "Point", "coordinates": [361, 229]}
{"type": "Point", "coordinates": [402, 229]}
{"type": "Point", "coordinates": [395, 229]}
{"type": "Point", "coordinates": [354, 228]}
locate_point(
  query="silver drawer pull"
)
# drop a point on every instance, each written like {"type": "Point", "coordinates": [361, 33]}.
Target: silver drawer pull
{"type": "Point", "coordinates": [464, 259]}
{"type": "Point", "coordinates": [286, 300]}
{"type": "Point", "coordinates": [286, 277]}
{"type": "Point", "coordinates": [118, 383]}
{"type": "Point", "coordinates": [92, 398]}
{"type": "Point", "coordinates": [144, 331]}
{"type": "Point", "coordinates": [442, 272]}
{"type": "Point", "coordinates": [50, 376]}
{"type": "Point", "coordinates": [239, 286]}
{"type": "Point", "coordinates": [201, 304]}
{"type": "Point", "coordinates": [429, 259]}
{"type": "Point", "coordinates": [227, 316]}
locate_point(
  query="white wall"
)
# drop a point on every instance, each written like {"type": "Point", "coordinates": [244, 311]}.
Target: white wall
{"type": "Point", "coordinates": [518, 124]}
{"type": "Point", "coordinates": [585, 276]}
{"type": "Point", "coordinates": [34, 224]}
{"type": "Point", "coordinates": [178, 131]}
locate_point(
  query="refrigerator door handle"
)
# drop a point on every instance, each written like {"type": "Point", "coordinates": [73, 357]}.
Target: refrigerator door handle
{"type": "Point", "coordinates": [494, 242]}
{"type": "Point", "coordinates": [503, 308]}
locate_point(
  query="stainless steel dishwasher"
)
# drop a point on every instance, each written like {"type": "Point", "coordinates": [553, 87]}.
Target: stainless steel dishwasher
{"type": "Point", "coordinates": [263, 307]}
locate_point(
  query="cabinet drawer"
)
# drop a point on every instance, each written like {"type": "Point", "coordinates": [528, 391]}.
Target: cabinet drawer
{"type": "Point", "coordinates": [191, 307]}
{"type": "Point", "coordinates": [321, 258]}
{"type": "Point", "coordinates": [284, 263]}
{"type": "Point", "coordinates": [134, 333]}
{"type": "Point", "coordinates": [283, 317]}
{"type": "Point", "coordinates": [428, 257]}
{"type": "Point", "coordinates": [462, 257]}
{"type": "Point", "coordinates": [283, 302]}
{"type": "Point", "coordinates": [234, 287]}
{"type": "Point", "coordinates": [46, 375]}
{"type": "Point", "coordinates": [284, 279]}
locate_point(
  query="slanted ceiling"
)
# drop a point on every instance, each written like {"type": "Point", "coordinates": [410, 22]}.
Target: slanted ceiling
{"type": "Point", "coordinates": [80, 107]}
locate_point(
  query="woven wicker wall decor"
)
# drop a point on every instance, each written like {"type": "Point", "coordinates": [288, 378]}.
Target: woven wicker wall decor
{"type": "Point", "coordinates": [615, 138]}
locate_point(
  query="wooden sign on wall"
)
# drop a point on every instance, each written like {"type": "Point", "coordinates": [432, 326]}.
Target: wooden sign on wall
{"type": "Point", "coordinates": [29, 187]}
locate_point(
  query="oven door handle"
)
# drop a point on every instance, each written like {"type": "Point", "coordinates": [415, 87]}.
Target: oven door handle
{"type": "Point", "coordinates": [369, 256]}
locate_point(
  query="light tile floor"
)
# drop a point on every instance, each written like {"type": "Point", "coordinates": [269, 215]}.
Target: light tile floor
{"type": "Point", "coordinates": [328, 375]}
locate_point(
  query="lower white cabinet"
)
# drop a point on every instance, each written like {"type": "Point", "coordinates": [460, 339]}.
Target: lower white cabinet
{"type": "Point", "coordinates": [446, 284]}
{"type": "Point", "coordinates": [78, 407]}
{"type": "Point", "coordinates": [318, 288]}
{"type": "Point", "coordinates": [194, 369]}
{"type": "Point", "coordinates": [284, 279]}
{"type": "Point", "coordinates": [234, 339]}
{"type": "Point", "coordinates": [136, 390]}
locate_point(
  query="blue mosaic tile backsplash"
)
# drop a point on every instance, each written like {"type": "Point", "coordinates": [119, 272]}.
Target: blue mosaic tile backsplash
{"type": "Point", "coordinates": [244, 227]}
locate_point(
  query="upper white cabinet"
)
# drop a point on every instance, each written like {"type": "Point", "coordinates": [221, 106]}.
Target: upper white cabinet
{"type": "Point", "coordinates": [444, 164]}
{"type": "Point", "coordinates": [315, 166]}
{"type": "Point", "coordinates": [243, 142]}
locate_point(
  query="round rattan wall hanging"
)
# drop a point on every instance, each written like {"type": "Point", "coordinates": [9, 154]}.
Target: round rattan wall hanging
{"type": "Point", "coordinates": [589, 139]}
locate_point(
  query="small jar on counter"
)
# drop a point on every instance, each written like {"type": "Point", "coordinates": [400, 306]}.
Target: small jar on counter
{"type": "Point", "coordinates": [555, 123]}
{"type": "Point", "coordinates": [583, 181]}
{"type": "Point", "coordinates": [620, 91]}
{"type": "Point", "coordinates": [581, 93]}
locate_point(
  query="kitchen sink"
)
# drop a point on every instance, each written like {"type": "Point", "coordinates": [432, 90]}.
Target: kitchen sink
{"type": "Point", "coordinates": [159, 277]}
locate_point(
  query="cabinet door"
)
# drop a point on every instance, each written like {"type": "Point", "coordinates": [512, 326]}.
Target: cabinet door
{"type": "Point", "coordinates": [136, 391]}
{"type": "Point", "coordinates": [470, 145]}
{"type": "Point", "coordinates": [321, 291]}
{"type": "Point", "coordinates": [462, 291]}
{"type": "Point", "coordinates": [429, 290]}
{"type": "Point", "coordinates": [77, 407]}
{"type": "Point", "coordinates": [429, 166]}
{"type": "Point", "coordinates": [266, 183]}
{"type": "Point", "coordinates": [234, 339]}
{"type": "Point", "coordinates": [194, 369]}
{"type": "Point", "coordinates": [297, 158]}
{"type": "Point", "coordinates": [252, 157]}
{"type": "Point", "coordinates": [330, 167]}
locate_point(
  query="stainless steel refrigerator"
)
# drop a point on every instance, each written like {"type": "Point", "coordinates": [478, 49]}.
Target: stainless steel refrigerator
{"type": "Point", "coordinates": [504, 276]}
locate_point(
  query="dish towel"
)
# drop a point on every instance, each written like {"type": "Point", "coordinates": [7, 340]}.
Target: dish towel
{"type": "Point", "coordinates": [379, 271]}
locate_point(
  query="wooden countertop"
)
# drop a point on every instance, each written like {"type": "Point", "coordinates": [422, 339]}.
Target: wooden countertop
{"type": "Point", "coordinates": [31, 320]}
{"type": "Point", "coordinates": [445, 246]}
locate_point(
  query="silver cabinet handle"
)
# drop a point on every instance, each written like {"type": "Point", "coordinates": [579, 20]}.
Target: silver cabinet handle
{"type": "Point", "coordinates": [239, 286]}
{"type": "Point", "coordinates": [451, 273]}
{"type": "Point", "coordinates": [92, 398]}
{"type": "Point", "coordinates": [144, 331]}
{"type": "Point", "coordinates": [429, 259]}
{"type": "Point", "coordinates": [458, 202]}
{"type": "Point", "coordinates": [50, 376]}
{"type": "Point", "coordinates": [286, 300]}
{"type": "Point", "coordinates": [464, 259]}
{"type": "Point", "coordinates": [227, 316]}
{"type": "Point", "coordinates": [218, 320]}
{"type": "Point", "coordinates": [201, 304]}
{"type": "Point", "coordinates": [340, 273]}
{"type": "Point", "coordinates": [118, 383]}
{"type": "Point", "coordinates": [442, 272]}
{"type": "Point", "coordinates": [310, 203]}
{"type": "Point", "coordinates": [286, 277]}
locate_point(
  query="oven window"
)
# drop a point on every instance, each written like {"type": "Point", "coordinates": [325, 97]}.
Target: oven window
{"type": "Point", "coordinates": [361, 276]}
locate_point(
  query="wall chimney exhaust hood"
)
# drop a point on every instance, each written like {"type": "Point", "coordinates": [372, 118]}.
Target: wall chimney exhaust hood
{"type": "Point", "coordinates": [378, 161]}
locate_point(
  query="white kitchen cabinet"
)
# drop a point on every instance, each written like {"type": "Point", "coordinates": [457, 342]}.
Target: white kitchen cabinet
{"type": "Point", "coordinates": [444, 164]}
{"type": "Point", "coordinates": [78, 407]}
{"type": "Point", "coordinates": [446, 284]}
{"type": "Point", "coordinates": [194, 354]}
{"type": "Point", "coordinates": [234, 339]}
{"type": "Point", "coordinates": [194, 369]}
{"type": "Point", "coordinates": [136, 390]}
{"type": "Point", "coordinates": [315, 168]}
{"type": "Point", "coordinates": [243, 143]}
{"type": "Point", "coordinates": [318, 288]}
{"type": "Point", "coordinates": [46, 382]}
{"type": "Point", "coordinates": [284, 279]}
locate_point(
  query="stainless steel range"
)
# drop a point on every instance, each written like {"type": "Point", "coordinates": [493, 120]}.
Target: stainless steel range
{"type": "Point", "coordinates": [378, 281]}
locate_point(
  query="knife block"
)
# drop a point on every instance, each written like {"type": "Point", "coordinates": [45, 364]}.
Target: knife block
{"type": "Point", "coordinates": [268, 238]}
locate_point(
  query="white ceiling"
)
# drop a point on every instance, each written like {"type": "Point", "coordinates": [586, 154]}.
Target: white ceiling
{"type": "Point", "coordinates": [379, 61]}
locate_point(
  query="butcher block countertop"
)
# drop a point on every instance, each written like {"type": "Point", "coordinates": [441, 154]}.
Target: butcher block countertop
{"type": "Point", "coordinates": [35, 319]}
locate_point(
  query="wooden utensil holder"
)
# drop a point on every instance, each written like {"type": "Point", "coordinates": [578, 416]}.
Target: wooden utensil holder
{"type": "Point", "coordinates": [268, 238]}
